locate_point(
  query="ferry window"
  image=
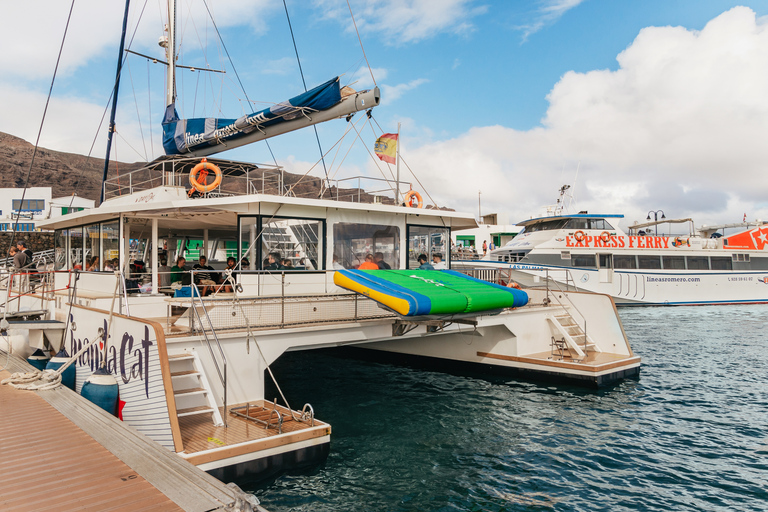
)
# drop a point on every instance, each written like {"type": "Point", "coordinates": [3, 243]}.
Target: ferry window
{"type": "Point", "coordinates": [604, 260]}
{"type": "Point", "coordinates": [545, 226]}
{"type": "Point", "coordinates": [720, 263]}
{"type": "Point", "coordinates": [428, 240]}
{"type": "Point", "coordinates": [565, 255]}
{"type": "Point", "coordinates": [599, 224]}
{"type": "Point", "coordinates": [740, 257]}
{"type": "Point", "coordinates": [697, 262]}
{"type": "Point", "coordinates": [60, 237]}
{"type": "Point", "coordinates": [673, 262]}
{"type": "Point", "coordinates": [110, 241]}
{"type": "Point", "coordinates": [624, 261]}
{"type": "Point", "coordinates": [648, 261]}
{"type": "Point", "coordinates": [92, 246]}
{"type": "Point", "coordinates": [583, 260]}
{"type": "Point", "coordinates": [577, 224]}
{"type": "Point", "coordinates": [352, 242]}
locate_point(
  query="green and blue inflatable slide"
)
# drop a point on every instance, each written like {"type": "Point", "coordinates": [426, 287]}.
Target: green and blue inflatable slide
{"type": "Point", "coordinates": [429, 292]}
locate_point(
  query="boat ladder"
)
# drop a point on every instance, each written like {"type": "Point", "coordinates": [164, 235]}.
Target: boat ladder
{"type": "Point", "coordinates": [573, 338]}
{"type": "Point", "coordinates": [191, 389]}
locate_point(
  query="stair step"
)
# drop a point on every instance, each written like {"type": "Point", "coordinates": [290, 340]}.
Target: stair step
{"type": "Point", "coordinates": [180, 357]}
{"type": "Point", "coordinates": [202, 409]}
{"type": "Point", "coordinates": [189, 391]}
{"type": "Point", "coordinates": [184, 373]}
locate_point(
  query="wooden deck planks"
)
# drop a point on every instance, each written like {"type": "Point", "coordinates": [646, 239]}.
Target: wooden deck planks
{"type": "Point", "coordinates": [49, 463]}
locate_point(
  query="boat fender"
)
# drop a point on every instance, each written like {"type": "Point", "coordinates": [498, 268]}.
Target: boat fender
{"type": "Point", "coordinates": [579, 236]}
{"type": "Point", "coordinates": [201, 186]}
{"type": "Point", "coordinates": [411, 196]}
{"type": "Point", "coordinates": [605, 237]}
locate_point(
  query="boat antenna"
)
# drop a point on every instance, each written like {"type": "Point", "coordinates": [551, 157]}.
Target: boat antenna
{"type": "Point", "coordinates": [111, 129]}
{"type": "Point", "coordinates": [573, 187]}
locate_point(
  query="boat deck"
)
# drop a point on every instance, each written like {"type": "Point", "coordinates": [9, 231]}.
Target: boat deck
{"type": "Point", "coordinates": [593, 362]}
{"type": "Point", "coordinates": [204, 442]}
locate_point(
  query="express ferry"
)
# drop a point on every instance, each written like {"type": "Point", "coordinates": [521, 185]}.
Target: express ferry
{"type": "Point", "coordinates": [643, 266]}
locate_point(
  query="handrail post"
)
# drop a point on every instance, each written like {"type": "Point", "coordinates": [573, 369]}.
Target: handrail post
{"type": "Point", "coordinates": [282, 300]}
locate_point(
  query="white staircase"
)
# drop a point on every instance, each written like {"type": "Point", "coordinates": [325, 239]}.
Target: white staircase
{"type": "Point", "coordinates": [191, 389]}
{"type": "Point", "coordinates": [574, 339]}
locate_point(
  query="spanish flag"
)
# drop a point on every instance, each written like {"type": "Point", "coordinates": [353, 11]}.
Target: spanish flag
{"type": "Point", "coordinates": [386, 147]}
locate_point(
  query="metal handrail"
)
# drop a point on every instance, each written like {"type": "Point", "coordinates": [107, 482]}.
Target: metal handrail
{"type": "Point", "coordinates": [222, 377]}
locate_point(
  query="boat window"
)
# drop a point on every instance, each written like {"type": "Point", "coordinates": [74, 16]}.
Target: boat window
{"type": "Point", "coordinates": [740, 257]}
{"type": "Point", "coordinates": [75, 244]}
{"type": "Point", "coordinates": [604, 260]}
{"type": "Point", "coordinates": [297, 243]}
{"type": "Point", "coordinates": [92, 246]}
{"type": "Point", "coordinates": [110, 242]}
{"type": "Point", "coordinates": [427, 240]}
{"type": "Point", "coordinates": [624, 261]}
{"type": "Point", "coordinates": [721, 263]}
{"type": "Point", "coordinates": [545, 225]}
{"type": "Point", "coordinates": [352, 242]}
{"type": "Point", "coordinates": [577, 224]}
{"type": "Point", "coordinates": [599, 224]}
{"type": "Point", "coordinates": [565, 255]}
{"type": "Point", "coordinates": [697, 262]}
{"type": "Point", "coordinates": [673, 262]}
{"type": "Point", "coordinates": [60, 237]}
{"type": "Point", "coordinates": [583, 260]}
{"type": "Point", "coordinates": [648, 261]}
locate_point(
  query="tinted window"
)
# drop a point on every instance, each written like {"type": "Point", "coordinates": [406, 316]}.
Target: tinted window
{"type": "Point", "coordinates": [544, 226]}
{"type": "Point", "coordinates": [599, 224]}
{"type": "Point", "coordinates": [624, 261]}
{"type": "Point", "coordinates": [697, 262]}
{"type": "Point", "coordinates": [644, 261]}
{"type": "Point", "coordinates": [583, 260]}
{"type": "Point", "coordinates": [578, 224]}
{"type": "Point", "coordinates": [721, 263]}
{"type": "Point", "coordinates": [674, 262]}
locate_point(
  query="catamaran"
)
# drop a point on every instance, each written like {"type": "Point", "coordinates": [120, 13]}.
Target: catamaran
{"type": "Point", "coordinates": [191, 368]}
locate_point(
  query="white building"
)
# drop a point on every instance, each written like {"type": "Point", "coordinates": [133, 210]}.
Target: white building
{"type": "Point", "coordinates": [34, 205]}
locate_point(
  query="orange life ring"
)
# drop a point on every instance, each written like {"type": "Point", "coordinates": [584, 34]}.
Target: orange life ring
{"type": "Point", "coordinates": [605, 236]}
{"type": "Point", "coordinates": [201, 186]}
{"type": "Point", "coordinates": [412, 194]}
{"type": "Point", "coordinates": [579, 235]}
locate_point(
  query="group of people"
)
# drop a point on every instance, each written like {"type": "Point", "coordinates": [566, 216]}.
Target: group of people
{"type": "Point", "coordinates": [205, 275]}
{"type": "Point", "coordinates": [22, 256]}
{"type": "Point", "coordinates": [376, 262]}
{"type": "Point", "coordinates": [437, 262]}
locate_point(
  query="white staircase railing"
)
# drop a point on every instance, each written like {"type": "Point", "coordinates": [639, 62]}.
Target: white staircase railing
{"type": "Point", "coordinates": [191, 389]}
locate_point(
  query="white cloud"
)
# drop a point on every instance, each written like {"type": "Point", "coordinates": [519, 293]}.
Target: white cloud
{"type": "Point", "coordinates": [680, 126]}
{"type": "Point", "coordinates": [405, 21]}
{"type": "Point", "coordinates": [391, 93]}
{"type": "Point", "coordinates": [548, 14]}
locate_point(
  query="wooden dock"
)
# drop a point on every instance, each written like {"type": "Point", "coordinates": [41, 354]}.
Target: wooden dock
{"type": "Point", "coordinates": [60, 452]}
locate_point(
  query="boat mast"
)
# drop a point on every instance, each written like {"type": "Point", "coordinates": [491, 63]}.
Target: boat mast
{"type": "Point", "coordinates": [114, 100]}
{"type": "Point", "coordinates": [170, 49]}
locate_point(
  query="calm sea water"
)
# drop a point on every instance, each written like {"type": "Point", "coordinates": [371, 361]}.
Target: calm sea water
{"type": "Point", "coordinates": [690, 434]}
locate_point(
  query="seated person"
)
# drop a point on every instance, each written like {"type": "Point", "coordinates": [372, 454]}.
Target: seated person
{"type": "Point", "coordinates": [273, 261]}
{"type": "Point", "coordinates": [368, 264]}
{"type": "Point", "coordinates": [437, 261]}
{"type": "Point", "coordinates": [225, 284]}
{"type": "Point", "coordinates": [204, 276]}
{"type": "Point", "coordinates": [378, 259]}
{"type": "Point", "coordinates": [423, 265]}
{"type": "Point", "coordinates": [179, 274]}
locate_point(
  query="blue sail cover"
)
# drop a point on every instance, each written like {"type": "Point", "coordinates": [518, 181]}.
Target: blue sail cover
{"type": "Point", "coordinates": [184, 135]}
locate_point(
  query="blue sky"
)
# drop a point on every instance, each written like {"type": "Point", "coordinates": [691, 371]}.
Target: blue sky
{"type": "Point", "coordinates": [659, 104]}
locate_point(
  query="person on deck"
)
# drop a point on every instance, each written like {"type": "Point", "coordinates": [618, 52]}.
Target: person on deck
{"type": "Point", "coordinates": [437, 261]}
{"type": "Point", "coordinates": [204, 276]}
{"type": "Point", "coordinates": [163, 275]}
{"type": "Point", "coordinates": [378, 259]}
{"type": "Point", "coordinates": [485, 247]}
{"type": "Point", "coordinates": [423, 265]}
{"type": "Point", "coordinates": [273, 261]}
{"type": "Point", "coordinates": [368, 264]}
{"type": "Point", "coordinates": [19, 262]}
{"type": "Point", "coordinates": [22, 246]}
{"type": "Point", "coordinates": [179, 275]}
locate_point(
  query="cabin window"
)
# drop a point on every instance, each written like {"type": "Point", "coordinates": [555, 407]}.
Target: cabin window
{"type": "Point", "coordinates": [92, 247]}
{"type": "Point", "coordinates": [673, 262]}
{"type": "Point", "coordinates": [76, 245]}
{"type": "Point", "coordinates": [352, 242]}
{"type": "Point", "coordinates": [110, 243]}
{"type": "Point", "coordinates": [624, 261]}
{"type": "Point", "coordinates": [583, 260]}
{"type": "Point", "coordinates": [697, 262]}
{"type": "Point", "coordinates": [578, 224]}
{"type": "Point", "coordinates": [428, 240]}
{"type": "Point", "coordinates": [720, 263]}
{"type": "Point", "coordinates": [60, 237]}
{"type": "Point", "coordinates": [296, 242]}
{"type": "Point", "coordinates": [605, 260]}
{"type": "Point", "coordinates": [599, 224]}
{"type": "Point", "coordinates": [565, 255]}
{"type": "Point", "coordinates": [740, 257]}
{"type": "Point", "coordinates": [545, 226]}
{"type": "Point", "coordinates": [648, 261]}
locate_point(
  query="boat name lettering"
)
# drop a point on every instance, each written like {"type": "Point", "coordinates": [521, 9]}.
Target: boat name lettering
{"type": "Point", "coordinates": [117, 362]}
{"type": "Point", "coordinates": [613, 241]}
{"type": "Point", "coordinates": [145, 199]}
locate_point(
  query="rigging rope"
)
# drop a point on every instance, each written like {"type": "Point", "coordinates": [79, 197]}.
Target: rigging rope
{"type": "Point", "coordinates": [361, 43]}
